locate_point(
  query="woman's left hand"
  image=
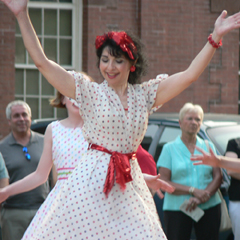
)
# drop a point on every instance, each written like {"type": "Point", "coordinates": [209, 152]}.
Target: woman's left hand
{"type": "Point", "coordinates": [156, 184]}
{"type": "Point", "coordinates": [225, 24]}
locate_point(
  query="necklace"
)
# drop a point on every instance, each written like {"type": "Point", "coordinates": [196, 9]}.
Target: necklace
{"type": "Point", "coordinates": [126, 109]}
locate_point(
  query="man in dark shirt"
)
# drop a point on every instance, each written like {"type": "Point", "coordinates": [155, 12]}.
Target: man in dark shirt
{"type": "Point", "coordinates": [21, 150]}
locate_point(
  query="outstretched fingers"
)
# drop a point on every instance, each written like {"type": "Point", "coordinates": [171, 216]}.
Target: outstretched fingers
{"type": "Point", "coordinates": [205, 158]}
{"type": "Point", "coordinates": [160, 194]}
{"type": "Point", "coordinates": [236, 19]}
{"type": "Point", "coordinates": [156, 184]}
{"type": "Point", "coordinates": [166, 187]}
{"type": "Point", "coordinates": [225, 24]}
{"type": "Point", "coordinates": [198, 157]}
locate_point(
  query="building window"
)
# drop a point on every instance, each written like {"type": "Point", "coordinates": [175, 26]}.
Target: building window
{"type": "Point", "coordinates": [57, 24]}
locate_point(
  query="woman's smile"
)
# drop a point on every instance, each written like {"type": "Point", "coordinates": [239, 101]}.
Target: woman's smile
{"type": "Point", "coordinates": [112, 76]}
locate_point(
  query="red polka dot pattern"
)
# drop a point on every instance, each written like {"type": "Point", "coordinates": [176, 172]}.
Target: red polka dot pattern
{"type": "Point", "coordinates": [80, 210]}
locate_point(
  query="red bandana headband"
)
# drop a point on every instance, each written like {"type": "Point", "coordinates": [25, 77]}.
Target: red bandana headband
{"type": "Point", "coordinates": [121, 39]}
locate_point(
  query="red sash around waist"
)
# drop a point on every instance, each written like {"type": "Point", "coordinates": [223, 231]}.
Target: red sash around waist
{"type": "Point", "coordinates": [119, 167]}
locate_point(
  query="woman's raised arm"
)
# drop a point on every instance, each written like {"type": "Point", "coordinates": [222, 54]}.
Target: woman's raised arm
{"type": "Point", "coordinates": [178, 82]}
{"type": "Point", "coordinates": [57, 76]}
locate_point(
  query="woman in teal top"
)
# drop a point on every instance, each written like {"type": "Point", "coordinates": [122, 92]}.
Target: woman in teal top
{"type": "Point", "coordinates": [196, 184]}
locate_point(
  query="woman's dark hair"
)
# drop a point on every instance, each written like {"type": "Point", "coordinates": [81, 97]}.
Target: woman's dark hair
{"type": "Point", "coordinates": [140, 58]}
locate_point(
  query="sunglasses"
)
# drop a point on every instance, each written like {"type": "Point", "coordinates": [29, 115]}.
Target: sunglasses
{"type": "Point", "coordinates": [27, 155]}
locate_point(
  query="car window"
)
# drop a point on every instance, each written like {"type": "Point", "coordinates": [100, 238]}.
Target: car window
{"type": "Point", "coordinates": [169, 134]}
{"type": "Point", "coordinates": [221, 135]}
{"type": "Point", "coordinates": [149, 135]}
{"type": "Point", "coordinates": [151, 130]}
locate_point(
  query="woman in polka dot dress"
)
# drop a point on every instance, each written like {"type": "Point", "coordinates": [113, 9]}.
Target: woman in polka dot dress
{"type": "Point", "coordinates": [64, 146]}
{"type": "Point", "coordinates": [106, 196]}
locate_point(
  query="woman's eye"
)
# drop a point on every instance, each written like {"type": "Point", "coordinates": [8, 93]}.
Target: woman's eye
{"type": "Point", "coordinates": [104, 60]}
{"type": "Point", "coordinates": [119, 61]}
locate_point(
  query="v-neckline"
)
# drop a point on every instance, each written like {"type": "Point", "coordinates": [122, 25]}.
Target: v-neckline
{"type": "Point", "coordinates": [187, 153]}
{"type": "Point", "coordinates": [112, 92]}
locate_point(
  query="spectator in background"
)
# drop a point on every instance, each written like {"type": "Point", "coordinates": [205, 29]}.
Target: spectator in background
{"type": "Point", "coordinates": [233, 151]}
{"type": "Point", "coordinates": [197, 185]}
{"type": "Point", "coordinates": [21, 150]}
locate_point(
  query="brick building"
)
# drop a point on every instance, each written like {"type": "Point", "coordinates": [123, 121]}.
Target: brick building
{"type": "Point", "coordinates": [173, 31]}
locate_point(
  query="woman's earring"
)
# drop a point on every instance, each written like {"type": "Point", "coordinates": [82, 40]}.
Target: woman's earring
{"type": "Point", "coordinates": [132, 69]}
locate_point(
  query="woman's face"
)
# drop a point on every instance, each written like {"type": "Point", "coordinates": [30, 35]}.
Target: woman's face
{"type": "Point", "coordinates": [191, 123]}
{"type": "Point", "coordinates": [114, 69]}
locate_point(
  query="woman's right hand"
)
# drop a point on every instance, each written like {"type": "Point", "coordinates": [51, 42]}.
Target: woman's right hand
{"type": "Point", "coordinates": [16, 6]}
{"type": "Point", "coordinates": [154, 183]}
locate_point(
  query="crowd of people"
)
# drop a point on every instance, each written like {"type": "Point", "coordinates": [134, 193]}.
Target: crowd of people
{"type": "Point", "coordinates": [102, 188]}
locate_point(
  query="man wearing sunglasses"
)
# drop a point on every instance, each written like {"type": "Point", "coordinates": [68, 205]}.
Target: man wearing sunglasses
{"type": "Point", "coordinates": [21, 150]}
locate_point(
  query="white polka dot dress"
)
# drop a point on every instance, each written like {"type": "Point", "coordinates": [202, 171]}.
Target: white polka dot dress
{"type": "Point", "coordinates": [68, 146]}
{"type": "Point", "coordinates": [81, 210]}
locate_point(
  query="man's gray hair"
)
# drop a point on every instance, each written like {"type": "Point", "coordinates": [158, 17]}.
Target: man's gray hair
{"type": "Point", "coordinates": [14, 103]}
{"type": "Point", "coordinates": [189, 107]}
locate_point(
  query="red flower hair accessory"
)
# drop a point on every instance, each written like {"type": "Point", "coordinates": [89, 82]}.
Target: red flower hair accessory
{"type": "Point", "coordinates": [121, 39]}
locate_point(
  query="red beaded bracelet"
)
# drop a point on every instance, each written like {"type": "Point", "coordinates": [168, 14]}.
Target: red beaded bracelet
{"type": "Point", "coordinates": [211, 41]}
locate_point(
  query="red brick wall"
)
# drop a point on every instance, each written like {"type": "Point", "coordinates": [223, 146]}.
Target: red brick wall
{"type": "Point", "coordinates": [178, 31]}
{"type": "Point", "coordinates": [7, 72]}
{"type": "Point", "coordinates": [173, 33]}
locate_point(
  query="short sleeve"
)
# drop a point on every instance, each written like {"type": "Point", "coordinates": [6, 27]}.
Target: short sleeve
{"type": "Point", "coordinates": [164, 159]}
{"type": "Point", "coordinates": [150, 91]}
{"type": "Point", "coordinates": [3, 169]}
{"type": "Point", "coordinates": [82, 87]}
